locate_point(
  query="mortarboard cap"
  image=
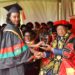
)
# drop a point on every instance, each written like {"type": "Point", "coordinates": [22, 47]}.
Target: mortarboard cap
{"type": "Point", "coordinates": [13, 8]}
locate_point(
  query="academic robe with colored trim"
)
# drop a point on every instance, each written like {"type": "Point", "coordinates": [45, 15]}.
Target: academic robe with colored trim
{"type": "Point", "coordinates": [13, 51]}
{"type": "Point", "coordinates": [67, 66]}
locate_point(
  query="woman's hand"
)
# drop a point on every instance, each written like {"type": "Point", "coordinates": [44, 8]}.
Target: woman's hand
{"type": "Point", "coordinates": [36, 45]}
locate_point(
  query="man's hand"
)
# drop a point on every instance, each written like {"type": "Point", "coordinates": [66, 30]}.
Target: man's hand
{"type": "Point", "coordinates": [47, 47]}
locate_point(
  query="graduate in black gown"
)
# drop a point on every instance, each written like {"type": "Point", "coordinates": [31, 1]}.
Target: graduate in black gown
{"type": "Point", "coordinates": [13, 51]}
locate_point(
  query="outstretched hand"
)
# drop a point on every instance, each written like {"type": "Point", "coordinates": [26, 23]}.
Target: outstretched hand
{"type": "Point", "coordinates": [47, 47]}
{"type": "Point", "coordinates": [36, 45]}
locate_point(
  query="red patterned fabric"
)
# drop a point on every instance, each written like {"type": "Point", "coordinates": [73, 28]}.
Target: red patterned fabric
{"type": "Point", "coordinates": [67, 66]}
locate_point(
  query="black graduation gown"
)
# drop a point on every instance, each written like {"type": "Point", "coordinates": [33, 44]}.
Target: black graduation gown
{"type": "Point", "coordinates": [13, 52]}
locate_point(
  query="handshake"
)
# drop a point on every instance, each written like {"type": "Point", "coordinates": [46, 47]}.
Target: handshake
{"type": "Point", "coordinates": [38, 54]}
{"type": "Point", "coordinates": [42, 45]}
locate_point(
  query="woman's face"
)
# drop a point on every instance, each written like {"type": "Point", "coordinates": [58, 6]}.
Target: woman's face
{"type": "Point", "coordinates": [61, 30]}
{"type": "Point", "coordinates": [27, 36]}
{"type": "Point", "coordinates": [15, 18]}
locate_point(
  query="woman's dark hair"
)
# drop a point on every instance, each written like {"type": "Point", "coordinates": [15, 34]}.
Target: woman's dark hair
{"type": "Point", "coordinates": [44, 25]}
{"type": "Point", "coordinates": [8, 18]}
{"type": "Point", "coordinates": [50, 23]}
{"type": "Point", "coordinates": [51, 26]}
{"type": "Point", "coordinates": [37, 25]}
{"type": "Point", "coordinates": [29, 25]}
